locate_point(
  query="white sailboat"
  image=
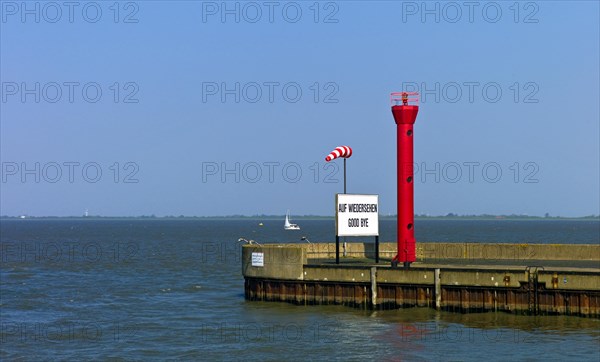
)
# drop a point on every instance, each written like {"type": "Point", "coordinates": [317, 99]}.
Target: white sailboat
{"type": "Point", "coordinates": [288, 225]}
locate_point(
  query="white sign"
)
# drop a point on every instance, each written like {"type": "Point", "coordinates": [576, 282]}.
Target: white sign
{"type": "Point", "coordinates": [258, 259]}
{"type": "Point", "coordinates": [356, 215]}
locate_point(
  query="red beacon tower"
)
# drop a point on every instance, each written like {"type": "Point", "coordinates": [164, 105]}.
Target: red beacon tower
{"type": "Point", "coordinates": [405, 108]}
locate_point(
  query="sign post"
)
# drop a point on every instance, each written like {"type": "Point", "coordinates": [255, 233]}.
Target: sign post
{"type": "Point", "coordinates": [356, 215]}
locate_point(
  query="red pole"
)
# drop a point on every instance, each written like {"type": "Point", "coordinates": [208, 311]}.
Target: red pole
{"type": "Point", "coordinates": [405, 116]}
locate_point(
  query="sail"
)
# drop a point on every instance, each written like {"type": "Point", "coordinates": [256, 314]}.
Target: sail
{"type": "Point", "coordinates": [287, 220]}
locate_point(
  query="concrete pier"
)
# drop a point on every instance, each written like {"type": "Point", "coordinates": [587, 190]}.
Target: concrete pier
{"type": "Point", "coordinates": [461, 277]}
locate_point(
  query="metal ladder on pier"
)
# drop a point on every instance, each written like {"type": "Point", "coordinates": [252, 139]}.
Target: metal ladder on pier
{"type": "Point", "coordinates": [532, 288]}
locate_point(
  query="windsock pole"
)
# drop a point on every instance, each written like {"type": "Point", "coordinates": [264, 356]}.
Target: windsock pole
{"type": "Point", "coordinates": [345, 244]}
{"type": "Point", "coordinates": [344, 174]}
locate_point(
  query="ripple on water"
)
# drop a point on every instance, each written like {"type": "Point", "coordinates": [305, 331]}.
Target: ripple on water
{"type": "Point", "coordinates": [176, 292]}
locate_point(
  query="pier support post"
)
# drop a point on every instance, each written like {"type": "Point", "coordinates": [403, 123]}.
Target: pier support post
{"type": "Point", "coordinates": [374, 287]}
{"type": "Point", "coordinates": [438, 289]}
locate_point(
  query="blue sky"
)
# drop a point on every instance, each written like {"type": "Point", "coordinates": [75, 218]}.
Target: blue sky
{"type": "Point", "coordinates": [206, 110]}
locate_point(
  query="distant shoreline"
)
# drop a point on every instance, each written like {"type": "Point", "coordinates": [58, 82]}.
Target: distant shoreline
{"type": "Point", "coordinates": [306, 217]}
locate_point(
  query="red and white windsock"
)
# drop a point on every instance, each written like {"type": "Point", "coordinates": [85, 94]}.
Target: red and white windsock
{"type": "Point", "coordinates": [341, 151]}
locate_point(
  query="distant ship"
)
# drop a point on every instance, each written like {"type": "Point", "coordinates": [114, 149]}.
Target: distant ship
{"type": "Point", "coordinates": [288, 225]}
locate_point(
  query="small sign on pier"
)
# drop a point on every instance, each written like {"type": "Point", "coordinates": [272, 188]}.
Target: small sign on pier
{"type": "Point", "coordinates": [258, 259]}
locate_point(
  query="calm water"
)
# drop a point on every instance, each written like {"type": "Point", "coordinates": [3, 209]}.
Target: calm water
{"type": "Point", "coordinates": [157, 289]}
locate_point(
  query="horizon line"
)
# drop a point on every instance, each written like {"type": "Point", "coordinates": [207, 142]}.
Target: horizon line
{"type": "Point", "coordinates": [423, 216]}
